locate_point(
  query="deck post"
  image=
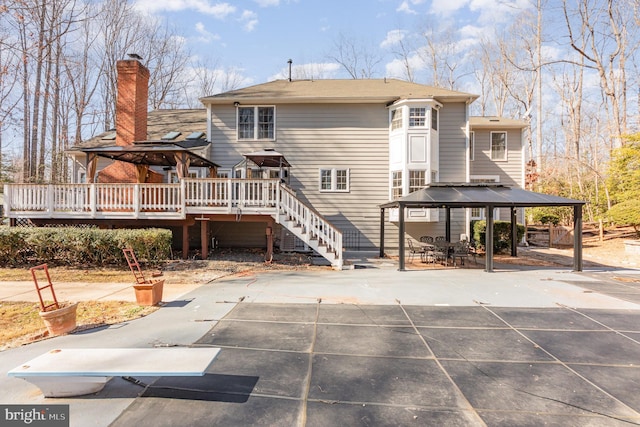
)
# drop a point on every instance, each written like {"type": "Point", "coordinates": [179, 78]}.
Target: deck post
{"type": "Point", "coordinates": [185, 241]}
{"type": "Point", "coordinates": [204, 237]}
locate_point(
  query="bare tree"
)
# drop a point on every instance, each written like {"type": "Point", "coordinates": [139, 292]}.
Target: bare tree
{"type": "Point", "coordinates": [598, 32]}
{"type": "Point", "coordinates": [358, 59]}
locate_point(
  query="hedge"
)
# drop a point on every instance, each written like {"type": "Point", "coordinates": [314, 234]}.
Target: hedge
{"type": "Point", "coordinates": [87, 247]}
{"type": "Point", "coordinates": [501, 234]}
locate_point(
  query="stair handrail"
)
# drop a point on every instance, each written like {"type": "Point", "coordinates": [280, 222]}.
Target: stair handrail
{"type": "Point", "coordinates": [313, 223]}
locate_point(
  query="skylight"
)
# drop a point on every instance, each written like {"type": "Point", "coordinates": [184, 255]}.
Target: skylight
{"type": "Point", "coordinates": [110, 136]}
{"type": "Point", "coordinates": [171, 136]}
{"type": "Point", "coordinates": [195, 135]}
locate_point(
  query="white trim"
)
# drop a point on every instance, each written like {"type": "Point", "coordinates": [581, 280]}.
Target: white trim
{"type": "Point", "coordinates": [334, 180]}
{"type": "Point", "coordinates": [506, 145]}
{"type": "Point", "coordinates": [255, 123]}
{"type": "Point", "coordinates": [472, 146]}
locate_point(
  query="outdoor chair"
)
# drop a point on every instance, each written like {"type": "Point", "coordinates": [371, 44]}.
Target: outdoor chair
{"type": "Point", "coordinates": [461, 252]}
{"type": "Point", "coordinates": [440, 239]}
{"type": "Point", "coordinates": [440, 252]}
{"type": "Point", "coordinates": [413, 250]}
{"type": "Point", "coordinates": [426, 239]}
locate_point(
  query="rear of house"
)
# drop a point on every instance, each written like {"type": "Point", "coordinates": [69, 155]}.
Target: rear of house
{"type": "Point", "coordinates": [345, 147]}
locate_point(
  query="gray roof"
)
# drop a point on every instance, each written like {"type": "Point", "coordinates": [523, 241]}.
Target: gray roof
{"type": "Point", "coordinates": [469, 195]}
{"type": "Point", "coordinates": [159, 123]}
{"type": "Point", "coordinates": [336, 91]}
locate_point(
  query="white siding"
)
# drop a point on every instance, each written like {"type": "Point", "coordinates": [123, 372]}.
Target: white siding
{"type": "Point", "coordinates": [312, 137]}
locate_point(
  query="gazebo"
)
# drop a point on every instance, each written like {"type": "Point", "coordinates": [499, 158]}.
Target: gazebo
{"type": "Point", "coordinates": [480, 195]}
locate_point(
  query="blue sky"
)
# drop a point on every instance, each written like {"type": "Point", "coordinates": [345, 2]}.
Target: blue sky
{"type": "Point", "coordinates": [255, 38]}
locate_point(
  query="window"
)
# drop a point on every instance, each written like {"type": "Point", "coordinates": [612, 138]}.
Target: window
{"type": "Point", "coordinates": [417, 117]}
{"type": "Point", "coordinates": [172, 176]}
{"type": "Point", "coordinates": [396, 119]}
{"type": "Point", "coordinates": [251, 128]}
{"type": "Point", "coordinates": [334, 180]}
{"type": "Point", "coordinates": [472, 145]}
{"type": "Point", "coordinates": [478, 213]}
{"type": "Point", "coordinates": [498, 146]}
{"type": "Point", "coordinates": [396, 185]}
{"type": "Point", "coordinates": [434, 119]}
{"type": "Point", "coordinates": [223, 173]}
{"type": "Point", "coordinates": [416, 180]}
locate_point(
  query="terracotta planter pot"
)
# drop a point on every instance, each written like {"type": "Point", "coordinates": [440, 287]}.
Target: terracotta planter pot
{"type": "Point", "coordinates": [60, 321]}
{"type": "Point", "coordinates": [149, 293]}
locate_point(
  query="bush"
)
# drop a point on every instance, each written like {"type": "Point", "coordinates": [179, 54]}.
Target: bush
{"type": "Point", "coordinates": [87, 247]}
{"type": "Point", "coordinates": [501, 234]}
{"type": "Point", "coordinates": [553, 215]}
{"type": "Point", "coordinates": [626, 213]}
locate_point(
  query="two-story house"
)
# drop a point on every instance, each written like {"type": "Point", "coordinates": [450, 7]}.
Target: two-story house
{"type": "Point", "coordinates": [306, 161]}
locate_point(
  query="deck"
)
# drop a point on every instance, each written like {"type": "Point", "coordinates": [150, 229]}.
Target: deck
{"type": "Point", "coordinates": [190, 197]}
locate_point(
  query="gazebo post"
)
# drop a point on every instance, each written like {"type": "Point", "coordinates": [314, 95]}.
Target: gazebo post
{"type": "Point", "coordinates": [514, 233]}
{"type": "Point", "coordinates": [381, 233]}
{"type": "Point", "coordinates": [577, 238]}
{"type": "Point", "coordinates": [401, 236]}
{"type": "Point", "coordinates": [488, 240]}
{"type": "Point", "coordinates": [447, 231]}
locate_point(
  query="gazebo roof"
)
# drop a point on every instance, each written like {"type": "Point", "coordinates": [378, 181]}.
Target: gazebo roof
{"type": "Point", "coordinates": [471, 195]}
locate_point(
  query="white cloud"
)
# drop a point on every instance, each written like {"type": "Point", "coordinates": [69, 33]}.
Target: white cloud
{"type": "Point", "coordinates": [406, 8]}
{"type": "Point", "coordinates": [311, 70]}
{"type": "Point", "coordinates": [249, 20]}
{"type": "Point", "coordinates": [267, 3]}
{"type": "Point", "coordinates": [205, 36]}
{"type": "Point", "coordinates": [398, 69]}
{"type": "Point", "coordinates": [497, 11]}
{"type": "Point", "coordinates": [393, 37]}
{"type": "Point", "coordinates": [218, 10]}
{"type": "Point", "coordinates": [448, 7]}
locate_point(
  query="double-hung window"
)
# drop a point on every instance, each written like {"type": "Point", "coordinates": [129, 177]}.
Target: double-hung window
{"type": "Point", "coordinates": [417, 117]}
{"type": "Point", "coordinates": [396, 185]}
{"type": "Point", "coordinates": [334, 180]}
{"type": "Point", "coordinates": [479, 213]}
{"type": "Point", "coordinates": [396, 119]}
{"type": "Point", "coordinates": [256, 122]}
{"type": "Point", "coordinates": [416, 180]}
{"type": "Point", "coordinates": [498, 146]}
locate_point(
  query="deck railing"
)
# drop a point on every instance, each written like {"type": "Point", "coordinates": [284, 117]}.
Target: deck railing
{"type": "Point", "coordinates": [139, 200]}
{"type": "Point", "coordinates": [172, 201]}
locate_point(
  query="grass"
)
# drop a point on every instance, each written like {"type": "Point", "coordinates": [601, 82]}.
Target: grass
{"type": "Point", "coordinates": [66, 274]}
{"type": "Point", "coordinates": [20, 322]}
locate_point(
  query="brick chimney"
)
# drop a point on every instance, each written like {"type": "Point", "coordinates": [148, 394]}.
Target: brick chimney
{"type": "Point", "coordinates": [131, 117]}
{"type": "Point", "coordinates": [131, 104]}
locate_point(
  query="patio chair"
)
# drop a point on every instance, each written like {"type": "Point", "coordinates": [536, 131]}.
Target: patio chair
{"type": "Point", "coordinates": [461, 252]}
{"type": "Point", "coordinates": [441, 239]}
{"type": "Point", "coordinates": [441, 252]}
{"type": "Point", "coordinates": [413, 250]}
{"type": "Point", "coordinates": [426, 239]}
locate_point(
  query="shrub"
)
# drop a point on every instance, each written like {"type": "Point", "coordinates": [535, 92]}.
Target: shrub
{"type": "Point", "coordinates": [626, 213]}
{"type": "Point", "coordinates": [501, 234]}
{"type": "Point", "coordinates": [89, 247]}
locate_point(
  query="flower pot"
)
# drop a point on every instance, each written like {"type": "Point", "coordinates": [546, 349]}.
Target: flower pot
{"type": "Point", "coordinates": [149, 293]}
{"type": "Point", "coordinates": [60, 321]}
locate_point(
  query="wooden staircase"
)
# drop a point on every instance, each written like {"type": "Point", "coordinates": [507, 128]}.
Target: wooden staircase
{"type": "Point", "coordinates": [310, 227]}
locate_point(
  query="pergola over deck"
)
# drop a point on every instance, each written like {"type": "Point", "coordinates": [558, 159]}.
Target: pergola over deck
{"type": "Point", "coordinates": [480, 195]}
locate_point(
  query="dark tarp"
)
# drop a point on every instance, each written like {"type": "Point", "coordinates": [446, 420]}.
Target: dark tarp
{"type": "Point", "coordinates": [267, 159]}
{"type": "Point", "coordinates": [162, 154]}
{"type": "Point", "coordinates": [483, 195]}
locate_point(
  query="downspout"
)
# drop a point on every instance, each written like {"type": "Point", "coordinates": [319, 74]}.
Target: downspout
{"type": "Point", "coordinates": [467, 162]}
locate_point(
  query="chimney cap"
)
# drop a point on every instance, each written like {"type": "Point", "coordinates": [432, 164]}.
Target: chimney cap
{"type": "Point", "coordinates": [134, 56]}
